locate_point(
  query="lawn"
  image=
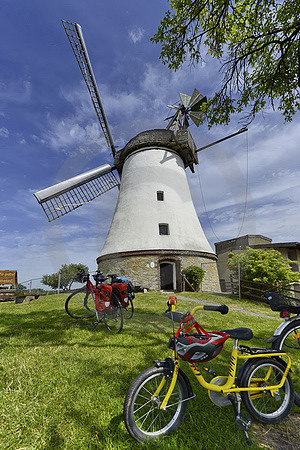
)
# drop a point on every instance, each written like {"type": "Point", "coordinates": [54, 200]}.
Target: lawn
{"type": "Point", "coordinates": [63, 384]}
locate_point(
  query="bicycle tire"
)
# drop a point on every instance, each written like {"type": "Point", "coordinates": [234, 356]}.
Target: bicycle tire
{"type": "Point", "coordinates": [290, 344]}
{"type": "Point", "coordinates": [262, 405]}
{"type": "Point", "coordinates": [129, 310]}
{"type": "Point", "coordinates": [141, 423]}
{"type": "Point", "coordinates": [78, 304]}
{"type": "Point", "coordinates": [113, 317]}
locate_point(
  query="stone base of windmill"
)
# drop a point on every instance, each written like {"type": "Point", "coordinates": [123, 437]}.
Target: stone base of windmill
{"type": "Point", "coordinates": [161, 270]}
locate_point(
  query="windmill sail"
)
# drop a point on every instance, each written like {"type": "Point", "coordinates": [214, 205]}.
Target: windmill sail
{"type": "Point", "coordinates": [70, 194]}
{"type": "Point", "coordinates": [75, 36]}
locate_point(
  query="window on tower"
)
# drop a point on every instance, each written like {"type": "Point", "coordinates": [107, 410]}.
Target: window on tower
{"type": "Point", "coordinates": [160, 196]}
{"type": "Point", "coordinates": [163, 228]}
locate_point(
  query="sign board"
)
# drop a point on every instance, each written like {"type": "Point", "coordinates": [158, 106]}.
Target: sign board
{"type": "Point", "coordinates": [8, 277]}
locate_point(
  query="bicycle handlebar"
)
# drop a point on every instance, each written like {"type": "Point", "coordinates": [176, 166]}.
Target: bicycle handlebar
{"type": "Point", "coordinates": [223, 309]}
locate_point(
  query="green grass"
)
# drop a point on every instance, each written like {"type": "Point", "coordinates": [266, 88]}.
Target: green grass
{"type": "Point", "coordinates": [63, 385]}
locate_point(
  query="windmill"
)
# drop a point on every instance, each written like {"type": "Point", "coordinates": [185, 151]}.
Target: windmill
{"type": "Point", "coordinates": [155, 231]}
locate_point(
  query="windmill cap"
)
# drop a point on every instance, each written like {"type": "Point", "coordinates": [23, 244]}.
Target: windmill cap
{"type": "Point", "coordinates": [180, 142]}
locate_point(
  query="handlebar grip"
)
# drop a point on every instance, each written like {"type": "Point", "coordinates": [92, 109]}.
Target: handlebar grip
{"type": "Point", "coordinates": [223, 309]}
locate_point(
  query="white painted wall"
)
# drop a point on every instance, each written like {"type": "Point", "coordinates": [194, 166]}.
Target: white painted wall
{"type": "Point", "coordinates": [138, 212]}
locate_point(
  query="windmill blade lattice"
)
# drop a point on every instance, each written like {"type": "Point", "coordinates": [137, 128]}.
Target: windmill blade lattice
{"type": "Point", "coordinates": [68, 195]}
{"type": "Point", "coordinates": [75, 36]}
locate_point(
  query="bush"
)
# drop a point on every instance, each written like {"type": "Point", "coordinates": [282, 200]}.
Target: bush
{"type": "Point", "coordinates": [194, 275]}
{"type": "Point", "coordinates": [263, 266]}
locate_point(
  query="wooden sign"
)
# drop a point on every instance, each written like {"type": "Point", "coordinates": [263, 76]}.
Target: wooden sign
{"type": "Point", "coordinates": [8, 277]}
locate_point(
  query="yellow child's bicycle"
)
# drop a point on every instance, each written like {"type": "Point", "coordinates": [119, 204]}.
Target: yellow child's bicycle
{"type": "Point", "coordinates": [157, 400]}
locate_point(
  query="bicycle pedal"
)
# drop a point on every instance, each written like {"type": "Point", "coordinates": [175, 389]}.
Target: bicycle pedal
{"type": "Point", "coordinates": [243, 422]}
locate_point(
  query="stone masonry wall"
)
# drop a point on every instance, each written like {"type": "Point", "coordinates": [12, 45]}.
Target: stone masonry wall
{"type": "Point", "coordinates": [210, 281]}
{"type": "Point", "coordinates": [144, 270]}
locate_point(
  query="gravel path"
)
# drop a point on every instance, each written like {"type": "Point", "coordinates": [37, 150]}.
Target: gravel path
{"type": "Point", "coordinates": [236, 308]}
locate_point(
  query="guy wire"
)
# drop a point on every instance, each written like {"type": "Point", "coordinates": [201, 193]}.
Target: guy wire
{"type": "Point", "coordinates": [247, 184]}
{"type": "Point", "coordinates": [204, 204]}
{"type": "Point", "coordinates": [246, 194]}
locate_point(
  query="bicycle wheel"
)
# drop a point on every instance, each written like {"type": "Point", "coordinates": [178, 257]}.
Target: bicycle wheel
{"type": "Point", "coordinates": [129, 310]}
{"type": "Point", "coordinates": [289, 342]}
{"type": "Point", "coordinates": [113, 317]}
{"type": "Point", "coordinates": [79, 305]}
{"type": "Point", "coordinates": [264, 406]}
{"type": "Point", "coordinates": [142, 416]}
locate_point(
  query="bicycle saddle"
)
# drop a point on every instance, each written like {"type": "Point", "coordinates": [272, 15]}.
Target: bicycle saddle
{"type": "Point", "coordinates": [240, 333]}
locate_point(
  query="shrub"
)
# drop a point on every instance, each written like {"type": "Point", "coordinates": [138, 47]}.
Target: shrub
{"type": "Point", "coordinates": [264, 266]}
{"type": "Point", "coordinates": [194, 275]}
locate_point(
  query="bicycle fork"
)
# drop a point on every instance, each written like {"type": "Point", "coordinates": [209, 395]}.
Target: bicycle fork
{"type": "Point", "coordinates": [173, 369]}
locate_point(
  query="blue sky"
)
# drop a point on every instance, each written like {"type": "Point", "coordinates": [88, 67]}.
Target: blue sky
{"type": "Point", "coordinates": [49, 132]}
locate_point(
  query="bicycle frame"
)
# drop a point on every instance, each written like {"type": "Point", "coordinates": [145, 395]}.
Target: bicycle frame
{"type": "Point", "coordinates": [91, 287]}
{"type": "Point", "coordinates": [230, 386]}
{"type": "Point", "coordinates": [94, 290]}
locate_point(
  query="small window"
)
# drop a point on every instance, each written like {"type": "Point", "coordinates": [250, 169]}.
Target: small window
{"type": "Point", "coordinates": [163, 228]}
{"type": "Point", "coordinates": [160, 196]}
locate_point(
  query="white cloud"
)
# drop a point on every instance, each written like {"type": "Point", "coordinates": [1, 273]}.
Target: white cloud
{"type": "Point", "coordinates": [17, 91]}
{"type": "Point", "coordinates": [40, 247]}
{"type": "Point", "coordinates": [127, 112]}
{"type": "Point", "coordinates": [4, 132]}
{"type": "Point", "coordinates": [136, 33]}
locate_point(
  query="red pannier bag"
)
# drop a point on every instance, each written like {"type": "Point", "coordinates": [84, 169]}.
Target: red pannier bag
{"type": "Point", "coordinates": [103, 298]}
{"type": "Point", "coordinates": [121, 291]}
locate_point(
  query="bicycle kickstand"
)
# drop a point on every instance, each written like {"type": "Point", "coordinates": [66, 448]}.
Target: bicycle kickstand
{"type": "Point", "coordinates": [95, 324]}
{"type": "Point", "coordinates": [99, 319]}
{"type": "Point", "coordinates": [241, 419]}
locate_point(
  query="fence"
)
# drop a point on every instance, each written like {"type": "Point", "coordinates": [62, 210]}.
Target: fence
{"type": "Point", "coordinates": [254, 290]}
{"type": "Point", "coordinates": [26, 290]}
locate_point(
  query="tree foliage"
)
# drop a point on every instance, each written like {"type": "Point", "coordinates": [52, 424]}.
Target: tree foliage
{"type": "Point", "coordinates": [266, 266]}
{"type": "Point", "coordinates": [194, 275]}
{"type": "Point", "coordinates": [66, 272]}
{"type": "Point", "coordinates": [257, 43]}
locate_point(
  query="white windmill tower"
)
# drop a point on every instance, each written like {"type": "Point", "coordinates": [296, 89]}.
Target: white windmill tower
{"type": "Point", "coordinates": [155, 231]}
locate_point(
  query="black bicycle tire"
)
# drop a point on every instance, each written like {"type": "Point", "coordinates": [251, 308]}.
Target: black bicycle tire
{"type": "Point", "coordinates": [284, 408]}
{"type": "Point", "coordinates": [278, 345]}
{"type": "Point", "coordinates": [129, 311]}
{"type": "Point", "coordinates": [70, 300]}
{"type": "Point", "coordinates": [107, 314]}
{"type": "Point", "coordinates": [89, 304]}
{"type": "Point", "coordinates": [128, 412]}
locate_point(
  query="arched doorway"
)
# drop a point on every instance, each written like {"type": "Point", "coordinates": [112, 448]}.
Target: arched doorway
{"type": "Point", "coordinates": [167, 276]}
